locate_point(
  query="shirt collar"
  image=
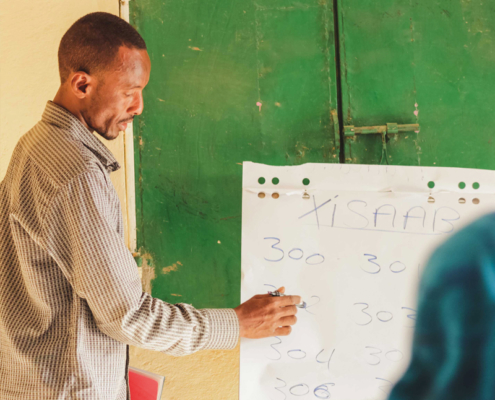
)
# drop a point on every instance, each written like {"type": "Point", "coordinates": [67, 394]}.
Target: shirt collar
{"type": "Point", "coordinates": [60, 117]}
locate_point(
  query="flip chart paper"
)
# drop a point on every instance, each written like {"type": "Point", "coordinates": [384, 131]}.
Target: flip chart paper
{"type": "Point", "coordinates": [353, 243]}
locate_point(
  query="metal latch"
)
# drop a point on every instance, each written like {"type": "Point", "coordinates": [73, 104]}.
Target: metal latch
{"type": "Point", "coordinates": [389, 129]}
{"type": "Point", "coordinates": [351, 131]}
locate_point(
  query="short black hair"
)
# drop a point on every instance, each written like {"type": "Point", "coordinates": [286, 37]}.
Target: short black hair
{"type": "Point", "coordinates": [92, 43]}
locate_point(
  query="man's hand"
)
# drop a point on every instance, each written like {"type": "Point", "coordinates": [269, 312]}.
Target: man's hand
{"type": "Point", "coordinates": [265, 315]}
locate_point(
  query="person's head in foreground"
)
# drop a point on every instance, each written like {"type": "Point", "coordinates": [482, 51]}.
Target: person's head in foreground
{"type": "Point", "coordinates": [104, 67]}
{"type": "Point", "coordinates": [453, 354]}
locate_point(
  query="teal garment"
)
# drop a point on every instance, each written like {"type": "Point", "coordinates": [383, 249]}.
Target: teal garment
{"type": "Point", "coordinates": [453, 354]}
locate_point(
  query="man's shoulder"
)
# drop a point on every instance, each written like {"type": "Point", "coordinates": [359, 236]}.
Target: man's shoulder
{"type": "Point", "coordinates": [57, 154]}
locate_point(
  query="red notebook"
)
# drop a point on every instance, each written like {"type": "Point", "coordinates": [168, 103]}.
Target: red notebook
{"type": "Point", "coordinates": [145, 385]}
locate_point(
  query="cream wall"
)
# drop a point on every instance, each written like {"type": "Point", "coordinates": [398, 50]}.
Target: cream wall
{"type": "Point", "coordinates": [206, 375]}
{"type": "Point", "coordinates": [30, 32]}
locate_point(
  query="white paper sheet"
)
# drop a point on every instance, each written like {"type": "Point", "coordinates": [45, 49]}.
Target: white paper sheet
{"type": "Point", "coordinates": [354, 251]}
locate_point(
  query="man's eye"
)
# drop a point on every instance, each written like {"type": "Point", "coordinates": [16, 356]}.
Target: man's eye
{"type": "Point", "coordinates": [128, 94]}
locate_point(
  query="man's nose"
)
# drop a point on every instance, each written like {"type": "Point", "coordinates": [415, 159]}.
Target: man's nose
{"type": "Point", "coordinates": [137, 105]}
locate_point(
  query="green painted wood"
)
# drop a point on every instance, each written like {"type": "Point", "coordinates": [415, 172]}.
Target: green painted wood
{"type": "Point", "coordinates": [438, 54]}
{"type": "Point", "coordinates": [212, 62]}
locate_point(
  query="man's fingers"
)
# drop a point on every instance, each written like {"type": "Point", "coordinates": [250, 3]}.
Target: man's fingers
{"type": "Point", "coordinates": [283, 331]}
{"type": "Point", "coordinates": [287, 311]}
{"type": "Point", "coordinates": [289, 301]}
{"type": "Point", "coordinates": [286, 321]}
{"type": "Point", "coordinates": [281, 290]}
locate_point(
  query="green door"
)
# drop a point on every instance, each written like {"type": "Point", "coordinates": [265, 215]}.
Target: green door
{"type": "Point", "coordinates": [235, 81]}
{"type": "Point", "coordinates": [231, 81]}
{"type": "Point", "coordinates": [426, 62]}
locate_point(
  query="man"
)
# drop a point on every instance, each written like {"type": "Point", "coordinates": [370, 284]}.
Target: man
{"type": "Point", "coordinates": [70, 295]}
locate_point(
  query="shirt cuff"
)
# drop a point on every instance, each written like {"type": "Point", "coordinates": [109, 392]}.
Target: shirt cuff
{"type": "Point", "coordinates": [224, 329]}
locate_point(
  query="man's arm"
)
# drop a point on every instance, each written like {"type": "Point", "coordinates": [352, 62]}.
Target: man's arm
{"type": "Point", "coordinates": [93, 257]}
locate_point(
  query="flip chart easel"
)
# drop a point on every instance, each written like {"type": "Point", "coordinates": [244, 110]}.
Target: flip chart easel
{"type": "Point", "coordinates": [352, 240]}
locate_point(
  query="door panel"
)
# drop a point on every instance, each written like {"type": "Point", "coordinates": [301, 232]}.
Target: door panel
{"type": "Point", "coordinates": [231, 81]}
{"type": "Point", "coordinates": [427, 62]}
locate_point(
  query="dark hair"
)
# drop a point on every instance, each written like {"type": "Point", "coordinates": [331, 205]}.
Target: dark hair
{"type": "Point", "coordinates": [92, 43]}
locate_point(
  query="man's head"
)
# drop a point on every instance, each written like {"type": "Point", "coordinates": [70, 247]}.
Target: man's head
{"type": "Point", "coordinates": [104, 67]}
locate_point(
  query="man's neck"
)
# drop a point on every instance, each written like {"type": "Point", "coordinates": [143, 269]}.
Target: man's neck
{"type": "Point", "coordinates": [61, 99]}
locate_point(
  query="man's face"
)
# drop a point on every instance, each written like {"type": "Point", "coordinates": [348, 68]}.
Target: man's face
{"type": "Point", "coordinates": [118, 94]}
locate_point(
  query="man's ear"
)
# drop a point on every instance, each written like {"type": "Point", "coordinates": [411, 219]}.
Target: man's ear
{"type": "Point", "coordinates": [82, 84]}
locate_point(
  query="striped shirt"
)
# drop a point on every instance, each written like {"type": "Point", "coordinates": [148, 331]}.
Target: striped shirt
{"type": "Point", "coordinates": [70, 295]}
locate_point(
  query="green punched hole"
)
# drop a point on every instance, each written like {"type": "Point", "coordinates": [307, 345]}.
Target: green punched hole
{"type": "Point", "coordinates": [476, 185]}
{"type": "Point", "coordinates": [431, 184]}
{"type": "Point", "coordinates": [261, 181]}
{"type": "Point", "coordinates": [305, 181]}
{"type": "Point", "coordinates": [275, 181]}
{"type": "Point", "coordinates": [462, 185]}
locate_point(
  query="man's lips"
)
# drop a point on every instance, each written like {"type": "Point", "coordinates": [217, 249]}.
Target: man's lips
{"type": "Point", "coordinates": [123, 124]}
